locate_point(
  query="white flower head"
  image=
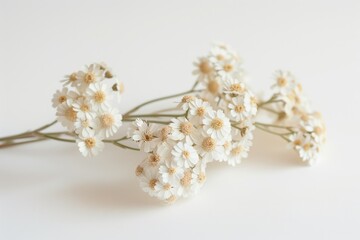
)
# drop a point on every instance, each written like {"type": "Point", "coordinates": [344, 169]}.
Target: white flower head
{"type": "Point", "coordinates": [239, 151]}
{"type": "Point", "coordinates": [209, 149]}
{"type": "Point", "coordinates": [170, 171]}
{"type": "Point", "coordinates": [204, 69]}
{"type": "Point", "coordinates": [198, 110]}
{"type": "Point", "coordinates": [183, 129]}
{"type": "Point", "coordinates": [284, 82]}
{"type": "Point", "coordinates": [66, 115]}
{"type": "Point", "coordinates": [99, 96]}
{"type": "Point", "coordinates": [217, 125]}
{"type": "Point", "coordinates": [71, 79]}
{"type": "Point", "coordinates": [109, 122]}
{"type": "Point", "coordinates": [93, 74]}
{"type": "Point", "coordinates": [84, 127]}
{"type": "Point", "coordinates": [185, 102]}
{"type": "Point", "coordinates": [146, 136]}
{"type": "Point", "coordinates": [148, 179]}
{"type": "Point", "coordinates": [83, 108]}
{"type": "Point", "coordinates": [90, 145]}
{"type": "Point", "coordinates": [60, 97]}
{"type": "Point", "coordinates": [185, 155]}
{"type": "Point", "coordinates": [166, 191]}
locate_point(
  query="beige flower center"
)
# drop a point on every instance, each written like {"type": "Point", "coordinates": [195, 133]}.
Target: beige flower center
{"type": "Point", "coordinates": [236, 87]}
{"type": "Point", "coordinates": [228, 67]}
{"type": "Point", "coordinates": [186, 128]}
{"type": "Point", "coordinates": [70, 114]}
{"type": "Point", "coordinates": [237, 150]}
{"type": "Point", "coordinates": [201, 177]}
{"type": "Point", "coordinates": [73, 77]}
{"type": "Point", "coordinates": [318, 130]}
{"type": "Point", "coordinates": [147, 137]}
{"type": "Point", "coordinates": [205, 67]}
{"type": "Point", "coordinates": [217, 123]}
{"type": "Point", "coordinates": [108, 74]}
{"type": "Point", "coordinates": [85, 123]}
{"type": "Point", "coordinates": [167, 186]}
{"type": "Point", "coordinates": [213, 86]}
{"type": "Point", "coordinates": [187, 99]}
{"type": "Point", "coordinates": [171, 171]}
{"type": "Point", "coordinates": [107, 120]}
{"type": "Point", "coordinates": [171, 199]}
{"type": "Point", "coordinates": [90, 142]}
{"type": "Point", "coordinates": [239, 108]}
{"type": "Point", "coordinates": [186, 154]}
{"type": "Point", "coordinates": [62, 99]}
{"type": "Point", "coordinates": [89, 78]}
{"type": "Point", "coordinates": [186, 180]}
{"type": "Point", "coordinates": [297, 142]}
{"type": "Point", "coordinates": [99, 97]}
{"type": "Point", "coordinates": [139, 170]}
{"type": "Point", "coordinates": [152, 183]}
{"type": "Point", "coordinates": [307, 146]}
{"type": "Point", "coordinates": [208, 144]}
{"type": "Point", "coordinates": [281, 81]}
{"type": "Point", "coordinates": [164, 133]}
{"type": "Point", "coordinates": [154, 159]}
{"type": "Point", "coordinates": [200, 111]}
{"type": "Point", "coordinates": [220, 57]}
{"type": "Point", "coordinates": [85, 108]}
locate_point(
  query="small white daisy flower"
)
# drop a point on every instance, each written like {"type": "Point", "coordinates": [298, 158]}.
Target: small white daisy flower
{"type": "Point", "coordinates": [170, 171]}
{"type": "Point", "coordinates": [185, 102]}
{"type": "Point", "coordinates": [72, 79]}
{"type": "Point", "coordinates": [99, 96]}
{"type": "Point", "coordinates": [210, 149]}
{"type": "Point", "coordinates": [238, 108]}
{"type": "Point", "coordinates": [185, 155]}
{"type": "Point", "coordinates": [198, 109]}
{"type": "Point", "coordinates": [308, 150]}
{"type": "Point", "coordinates": [284, 82]}
{"type": "Point", "coordinates": [184, 188]}
{"type": "Point", "coordinates": [92, 74]}
{"type": "Point", "coordinates": [85, 127]}
{"type": "Point", "coordinates": [135, 125]}
{"type": "Point", "coordinates": [198, 178]}
{"type": "Point", "coordinates": [109, 122]}
{"type": "Point", "coordinates": [234, 86]}
{"type": "Point", "coordinates": [239, 151]}
{"type": "Point", "coordinates": [165, 190]}
{"type": "Point", "coordinates": [60, 97]}
{"type": "Point", "coordinates": [90, 146]}
{"type": "Point", "coordinates": [204, 69]}
{"type": "Point", "coordinates": [83, 109]}
{"type": "Point", "coordinates": [183, 129]}
{"type": "Point", "coordinates": [148, 180]}
{"type": "Point", "coordinates": [146, 137]}
{"type": "Point", "coordinates": [66, 115]}
{"type": "Point", "coordinates": [217, 125]}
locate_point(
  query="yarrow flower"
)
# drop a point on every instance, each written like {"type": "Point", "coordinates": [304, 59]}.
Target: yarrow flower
{"type": "Point", "coordinates": [84, 107]}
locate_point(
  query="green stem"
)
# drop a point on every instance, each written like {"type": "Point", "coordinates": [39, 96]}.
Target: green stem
{"type": "Point", "coordinates": [159, 99]}
{"type": "Point", "coordinates": [154, 115]}
{"type": "Point", "coordinates": [125, 146]}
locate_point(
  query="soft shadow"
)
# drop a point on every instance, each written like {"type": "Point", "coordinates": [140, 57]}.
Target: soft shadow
{"type": "Point", "coordinates": [108, 196]}
{"type": "Point", "coordinates": [270, 151]}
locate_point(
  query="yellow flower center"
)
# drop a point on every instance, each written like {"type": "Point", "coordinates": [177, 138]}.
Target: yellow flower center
{"type": "Point", "coordinates": [139, 170]}
{"type": "Point", "coordinates": [171, 171]}
{"type": "Point", "coordinates": [107, 120]}
{"type": "Point", "coordinates": [99, 97]}
{"type": "Point", "coordinates": [73, 77]}
{"type": "Point", "coordinates": [228, 67]}
{"type": "Point", "coordinates": [186, 180]}
{"type": "Point", "coordinates": [217, 123]}
{"type": "Point", "coordinates": [239, 108]}
{"type": "Point", "coordinates": [186, 128]}
{"type": "Point", "coordinates": [89, 78]}
{"type": "Point", "coordinates": [70, 114]}
{"type": "Point", "coordinates": [200, 111]}
{"type": "Point", "coordinates": [236, 151]}
{"type": "Point", "coordinates": [154, 159]}
{"type": "Point", "coordinates": [281, 81]}
{"type": "Point", "coordinates": [62, 99]}
{"type": "Point", "coordinates": [208, 144]}
{"type": "Point", "coordinates": [152, 183]}
{"type": "Point", "coordinates": [236, 87]}
{"type": "Point", "coordinates": [90, 142]}
{"type": "Point", "coordinates": [213, 86]}
{"type": "Point", "coordinates": [205, 67]}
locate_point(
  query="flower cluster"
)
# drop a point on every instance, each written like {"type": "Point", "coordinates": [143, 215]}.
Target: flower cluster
{"type": "Point", "coordinates": [216, 124]}
{"type": "Point", "coordinates": [307, 128]}
{"type": "Point", "coordinates": [86, 106]}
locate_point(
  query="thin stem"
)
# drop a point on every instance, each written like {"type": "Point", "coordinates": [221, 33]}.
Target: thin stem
{"type": "Point", "coordinates": [154, 115]}
{"type": "Point", "coordinates": [158, 99]}
{"type": "Point", "coordinates": [11, 144]}
{"type": "Point", "coordinates": [274, 126]}
{"type": "Point", "coordinates": [54, 138]}
{"type": "Point", "coordinates": [125, 146]}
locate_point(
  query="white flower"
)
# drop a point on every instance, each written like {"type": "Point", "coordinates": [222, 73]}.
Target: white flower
{"type": "Point", "coordinates": [99, 96]}
{"type": "Point", "coordinates": [220, 53]}
{"type": "Point", "coordinates": [135, 125]}
{"type": "Point", "coordinates": [214, 87]}
{"type": "Point", "coordinates": [238, 109]}
{"type": "Point", "coordinates": [66, 115]}
{"type": "Point", "coordinates": [183, 129]}
{"type": "Point", "coordinates": [148, 179]}
{"type": "Point", "coordinates": [198, 178]}
{"type": "Point", "coordinates": [170, 171]}
{"type": "Point", "coordinates": [239, 150]}
{"type": "Point", "coordinates": [209, 148]}
{"type": "Point", "coordinates": [71, 79]}
{"type": "Point", "coordinates": [91, 75]}
{"type": "Point", "coordinates": [85, 127]}
{"type": "Point", "coordinates": [185, 102]}
{"type": "Point", "coordinates": [308, 149]}
{"type": "Point", "coordinates": [109, 122]}
{"type": "Point", "coordinates": [217, 125]}
{"type": "Point", "coordinates": [184, 189]}
{"type": "Point", "coordinates": [83, 109]}
{"type": "Point", "coordinates": [198, 109]}
{"type": "Point", "coordinates": [204, 69]}
{"type": "Point", "coordinates": [146, 137]}
{"type": "Point", "coordinates": [233, 86]}
{"type": "Point", "coordinates": [314, 124]}
{"type": "Point", "coordinates": [284, 82]}
{"type": "Point", "coordinates": [185, 155]}
{"type": "Point", "coordinates": [90, 146]}
{"type": "Point", "coordinates": [166, 191]}
{"type": "Point", "coordinates": [60, 97]}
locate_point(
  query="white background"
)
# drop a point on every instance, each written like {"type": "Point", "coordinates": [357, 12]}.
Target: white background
{"type": "Point", "coordinates": [49, 191]}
